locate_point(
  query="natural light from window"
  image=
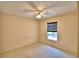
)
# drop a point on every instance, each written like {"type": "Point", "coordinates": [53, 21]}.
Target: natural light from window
{"type": "Point", "coordinates": [52, 36]}
{"type": "Point", "coordinates": [52, 31]}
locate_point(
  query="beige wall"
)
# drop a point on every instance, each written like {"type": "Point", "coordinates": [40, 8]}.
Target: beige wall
{"type": "Point", "coordinates": [78, 29]}
{"type": "Point", "coordinates": [17, 31]}
{"type": "Point", "coordinates": [67, 32]}
{"type": "Point", "coordinates": [0, 33]}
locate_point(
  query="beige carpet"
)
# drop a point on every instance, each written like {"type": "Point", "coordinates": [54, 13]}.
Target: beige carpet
{"type": "Point", "coordinates": [37, 50]}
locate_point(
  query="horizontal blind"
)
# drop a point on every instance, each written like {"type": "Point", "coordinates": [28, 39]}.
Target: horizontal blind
{"type": "Point", "coordinates": [52, 27]}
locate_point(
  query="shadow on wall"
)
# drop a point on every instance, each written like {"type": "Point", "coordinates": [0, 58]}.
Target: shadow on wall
{"type": "Point", "coordinates": [78, 34]}
{"type": "Point", "coordinates": [0, 32]}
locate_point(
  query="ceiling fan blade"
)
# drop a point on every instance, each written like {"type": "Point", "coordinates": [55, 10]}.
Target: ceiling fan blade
{"type": "Point", "coordinates": [46, 14]}
{"type": "Point", "coordinates": [51, 6]}
{"type": "Point", "coordinates": [48, 7]}
{"type": "Point", "coordinates": [43, 12]}
{"type": "Point", "coordinates": [32, 5]}
{"type": "Point", "coordinates": [24, 10]}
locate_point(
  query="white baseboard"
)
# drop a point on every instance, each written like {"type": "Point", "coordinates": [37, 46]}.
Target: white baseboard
{"type": "Point", "coordinates": [5, 50]}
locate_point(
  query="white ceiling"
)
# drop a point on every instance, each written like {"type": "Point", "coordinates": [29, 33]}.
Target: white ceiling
{"type": "Point", "coordinates": [51, 8]}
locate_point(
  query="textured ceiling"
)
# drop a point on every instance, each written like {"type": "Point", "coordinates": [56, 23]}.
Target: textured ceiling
{"type": "Point", "coordinates": [26, 9]}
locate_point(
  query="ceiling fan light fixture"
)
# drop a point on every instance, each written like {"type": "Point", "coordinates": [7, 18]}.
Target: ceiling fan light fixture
{"type": "Point", "coordinates": [38, 16]}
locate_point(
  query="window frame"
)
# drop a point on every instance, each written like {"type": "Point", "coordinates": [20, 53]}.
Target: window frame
{"type": "Point", "coordinates": [52, 31]}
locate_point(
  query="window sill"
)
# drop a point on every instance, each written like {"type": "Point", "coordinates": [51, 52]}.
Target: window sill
{"type": "Point", "coordinates": [52, 40]}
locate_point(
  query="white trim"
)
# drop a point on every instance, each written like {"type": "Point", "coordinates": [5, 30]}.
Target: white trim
{"type": "Point", "coordinates": [5, 50]}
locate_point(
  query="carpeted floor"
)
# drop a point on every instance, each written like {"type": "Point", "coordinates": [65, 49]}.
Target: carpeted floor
{"type": "Point", "coordinates": [37, 50]}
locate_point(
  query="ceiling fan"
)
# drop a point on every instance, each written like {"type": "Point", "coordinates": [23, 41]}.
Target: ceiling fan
{"type": "Point", "coordinates": [38, 13]}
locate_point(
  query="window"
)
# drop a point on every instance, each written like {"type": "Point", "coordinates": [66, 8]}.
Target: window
{"type": "Point", "coordinates": [52, 31]}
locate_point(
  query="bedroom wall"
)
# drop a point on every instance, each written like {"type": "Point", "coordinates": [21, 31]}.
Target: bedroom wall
{"type": "Point", "coordinates": [0, 33]}
{"type": "Point", "coordinates": [78, 29]}
{"type": "Point", "coordinates": [17, 31]}
{"type": "Point", "coordinates": [67, 32]}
